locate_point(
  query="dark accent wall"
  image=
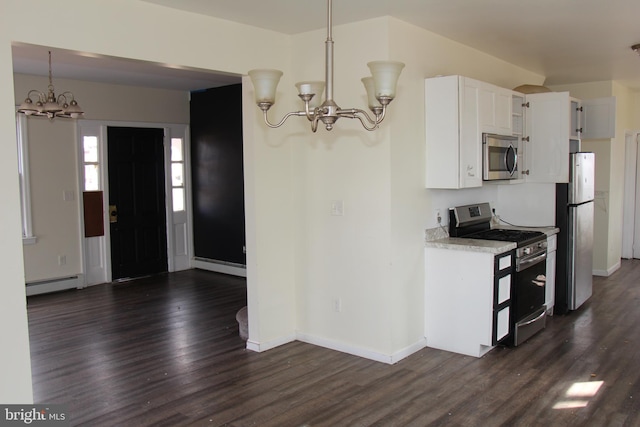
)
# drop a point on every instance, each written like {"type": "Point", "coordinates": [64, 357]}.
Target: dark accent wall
{"type": "Point", "coordinates": [217, 174]}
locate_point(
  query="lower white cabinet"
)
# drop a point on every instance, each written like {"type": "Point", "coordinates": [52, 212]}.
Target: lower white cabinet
{"type": "Point", "coordinates": [467, 299]}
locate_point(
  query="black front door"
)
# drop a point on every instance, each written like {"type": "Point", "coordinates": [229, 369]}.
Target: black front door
{"type": "Point", "coordinates": [137, 202]}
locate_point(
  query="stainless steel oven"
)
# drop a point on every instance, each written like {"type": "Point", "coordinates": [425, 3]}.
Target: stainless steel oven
{"type": "Point", "coordinates": [529, 294]}
{"type": "Point", "coordinates": [528, 310]}
{"type": "Point", "coordinates": [499, 157]}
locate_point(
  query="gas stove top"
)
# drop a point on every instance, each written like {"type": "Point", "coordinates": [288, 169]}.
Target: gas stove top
{"type": "Point", "coordinates": [474, 222]}
{"type": "Point", "coordinates": [521, 237]}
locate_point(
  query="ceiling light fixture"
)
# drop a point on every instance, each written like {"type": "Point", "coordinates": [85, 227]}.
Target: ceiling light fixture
{"type": "Point", "coordinates": [49, 105]}
{"type": "Point", "coordinates": [381, 89]}
{"type": "Point", "coordinates": [636, 48]}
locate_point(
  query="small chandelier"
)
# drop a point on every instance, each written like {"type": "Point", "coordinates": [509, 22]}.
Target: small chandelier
{"type": "Point", "coordinates": [381, 89]}
{"type": "Point", "coordinates": [49, 105]}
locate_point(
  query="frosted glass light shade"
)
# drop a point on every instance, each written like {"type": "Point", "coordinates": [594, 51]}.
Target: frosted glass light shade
{"type": "Point", "coordinates": [385, 76]}
{"type": "Point", "coordinates": [370, 87]}
{"type": "Point", "coordinates": [28, 107]}
{"type": "Point", "coordinates": [307, 88]}
{"type": "Point", "coordinates": [265, 83]}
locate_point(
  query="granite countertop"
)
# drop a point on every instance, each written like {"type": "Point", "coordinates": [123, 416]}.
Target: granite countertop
{"type": "Point", "coordinates": [437, 238]}
{"type": "Point", "coordinates": [471, 245]}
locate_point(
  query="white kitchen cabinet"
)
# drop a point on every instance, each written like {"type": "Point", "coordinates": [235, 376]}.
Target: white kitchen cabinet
{"type": "Point", "coordinates": [598, 118]}
{"type": "Point", "coordinates": [453, 135]}
{"type": "Point", "coordinates": [549, 123]}
{"type": "Point", "coordinates": [550, 290]}
{"type": "Point", "coordinates": [467, 299]}
{"type": "Point", "coordinates": [547, 134]}
{"type": "Point", "coordinates": [495, 109]}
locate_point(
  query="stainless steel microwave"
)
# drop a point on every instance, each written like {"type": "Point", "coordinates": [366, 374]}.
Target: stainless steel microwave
{"type": "Point", "coordinates": [499, 156]}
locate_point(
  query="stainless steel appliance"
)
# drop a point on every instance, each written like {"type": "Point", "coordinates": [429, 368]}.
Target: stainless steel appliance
{"type": "Point", "coordinates": [528, 310]}
{"type": "Point", "coordinates": [574, 218]}
{"type": "Point", "coordinates": [499, 157]}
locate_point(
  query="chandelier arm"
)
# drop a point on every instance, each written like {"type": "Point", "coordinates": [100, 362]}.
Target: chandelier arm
{"type": "Point", "coordinates": [284, 119]}
{"type": "Point", "coordinates": [314, 124]}
{"type": "Point", "coordinates": [41, 96]}
{"type": "Point", "coordinates": [355, 112]}
{"type": "Point", "coordinates": [311, 115]}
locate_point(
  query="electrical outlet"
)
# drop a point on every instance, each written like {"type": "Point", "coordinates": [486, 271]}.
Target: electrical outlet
{"type": "Point", "coordinates": [438, 216]}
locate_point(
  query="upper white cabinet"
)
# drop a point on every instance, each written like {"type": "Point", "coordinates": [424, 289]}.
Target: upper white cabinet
{"type": "Point", "coordinates": [598, 118]}
{"type": "Point", "coordinates": [458, 110]}
{"type": "Point", "coordinates": [453, 133]}
{"type": "Point", "coordinates": [495, 109]}
{"type": "Point", "coordinates": [547, 134]}
{"type": "Point", "coordinates": [552, 120]}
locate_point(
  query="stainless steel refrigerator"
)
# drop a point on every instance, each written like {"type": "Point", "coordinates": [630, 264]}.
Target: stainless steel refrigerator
{"type": "Point", "coordinates": [574, 217]}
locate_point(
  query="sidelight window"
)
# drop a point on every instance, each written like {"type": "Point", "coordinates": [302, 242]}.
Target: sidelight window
{"type": "Point", "coordinates": [177, 174]}
{"type": "Point", "coordinates": [91, 163]}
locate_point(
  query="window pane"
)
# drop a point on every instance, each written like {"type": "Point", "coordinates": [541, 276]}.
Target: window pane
{"type": "Point", "coordinates": [90, 144]}
{"type": "Point", "coordinates": [91, 181]}
{"type": "Point", "coordinates": [178, 199]}
{"type": "Point", "coordinates": [176, 149]}
{"type": "Point", "coordinates": [176, 175]}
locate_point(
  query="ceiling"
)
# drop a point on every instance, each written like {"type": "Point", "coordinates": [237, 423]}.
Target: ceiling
{"type": "Point", "coordinates": [568, 41]}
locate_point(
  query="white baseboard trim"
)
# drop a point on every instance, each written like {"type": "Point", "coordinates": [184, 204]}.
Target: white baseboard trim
{"type": "Point", "coordinates": [231, 269]}
{"type": "Point", "coordinates": [408, 351]}
{"type": "Point", "coordinates": [608, 272]}
{"type": "Point", "coordinates": [362, 352]}
{"type": "Point", "coordinates": [54, 285]}
{"type": "Point", "coordinates": [339, 346]}
{"type": "Point", "coordinates": [268, 345]}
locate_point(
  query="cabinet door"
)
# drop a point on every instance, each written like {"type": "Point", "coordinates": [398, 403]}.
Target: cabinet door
{"type": "Point", "coordinates": [470, 135]}
{"type": "Point", "coordinates": [599, 118]}
{"type": "Point", "coordinates": [495, 109]}
{"type": "Point", "coordinates": [517, 114]}
{"type": "Point", "coordinates": [548, 124]}
{"type": "Point", "coordinates": [453, 139]}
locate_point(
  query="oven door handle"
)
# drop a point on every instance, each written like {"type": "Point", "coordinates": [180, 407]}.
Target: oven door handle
{"type": "Point", "coordinates": [528, 322]}
{"type": "Point", "coordinates": [523, 265]}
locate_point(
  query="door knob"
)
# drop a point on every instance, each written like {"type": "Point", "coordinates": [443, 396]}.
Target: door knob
{"type": "Point", "coordinates": [113, 213]}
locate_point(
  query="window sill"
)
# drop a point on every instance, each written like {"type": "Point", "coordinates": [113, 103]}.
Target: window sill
{"type": "Point", "coordinates": [32, 240]}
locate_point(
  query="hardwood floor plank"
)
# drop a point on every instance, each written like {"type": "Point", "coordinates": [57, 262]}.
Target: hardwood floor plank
{"type": "Point", "coordinates": [165, 351]}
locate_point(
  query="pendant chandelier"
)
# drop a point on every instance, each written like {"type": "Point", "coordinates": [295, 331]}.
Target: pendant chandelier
{"type": "Point", "coordinates": [380, 87]}
{"type": "Point", "coordinates": [64, 105]}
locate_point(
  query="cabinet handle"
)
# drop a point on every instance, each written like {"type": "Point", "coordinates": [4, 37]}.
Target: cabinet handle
{"type": "Point", "coordinates": [526, 105]}
{"type": "Point", "coordinates": [525, 172]}
{"type": "Point", "coordinates": [525, 139]}
{"type": "Point", "coordinates": [579, 130]}
{"type": "Point", "coordinates": [579, 109]}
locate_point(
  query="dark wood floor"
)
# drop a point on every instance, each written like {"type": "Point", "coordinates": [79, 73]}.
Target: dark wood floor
{"type": "Point", "coordinates": [165, 351]}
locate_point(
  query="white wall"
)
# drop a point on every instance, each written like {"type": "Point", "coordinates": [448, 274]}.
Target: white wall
{"type": "Point", "coordinates": [372, 257]}
{"type": "Point", "coordinates": [164, 35]}
{"type": "Point", "coordinates": [55, 216]}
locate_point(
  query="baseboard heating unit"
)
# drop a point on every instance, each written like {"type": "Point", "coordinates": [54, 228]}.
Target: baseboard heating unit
{"type": "Point", "coordinates": [54, 285]}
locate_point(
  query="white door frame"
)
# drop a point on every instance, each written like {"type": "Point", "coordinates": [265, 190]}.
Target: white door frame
{"type": "Point", "coordinates": [631, 201]}
{"type": "Point", "coordinates": [96, 259]}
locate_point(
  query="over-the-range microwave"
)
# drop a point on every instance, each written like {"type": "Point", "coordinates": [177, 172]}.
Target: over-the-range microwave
{"type": "Point", "coordinates": [499, 156]}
